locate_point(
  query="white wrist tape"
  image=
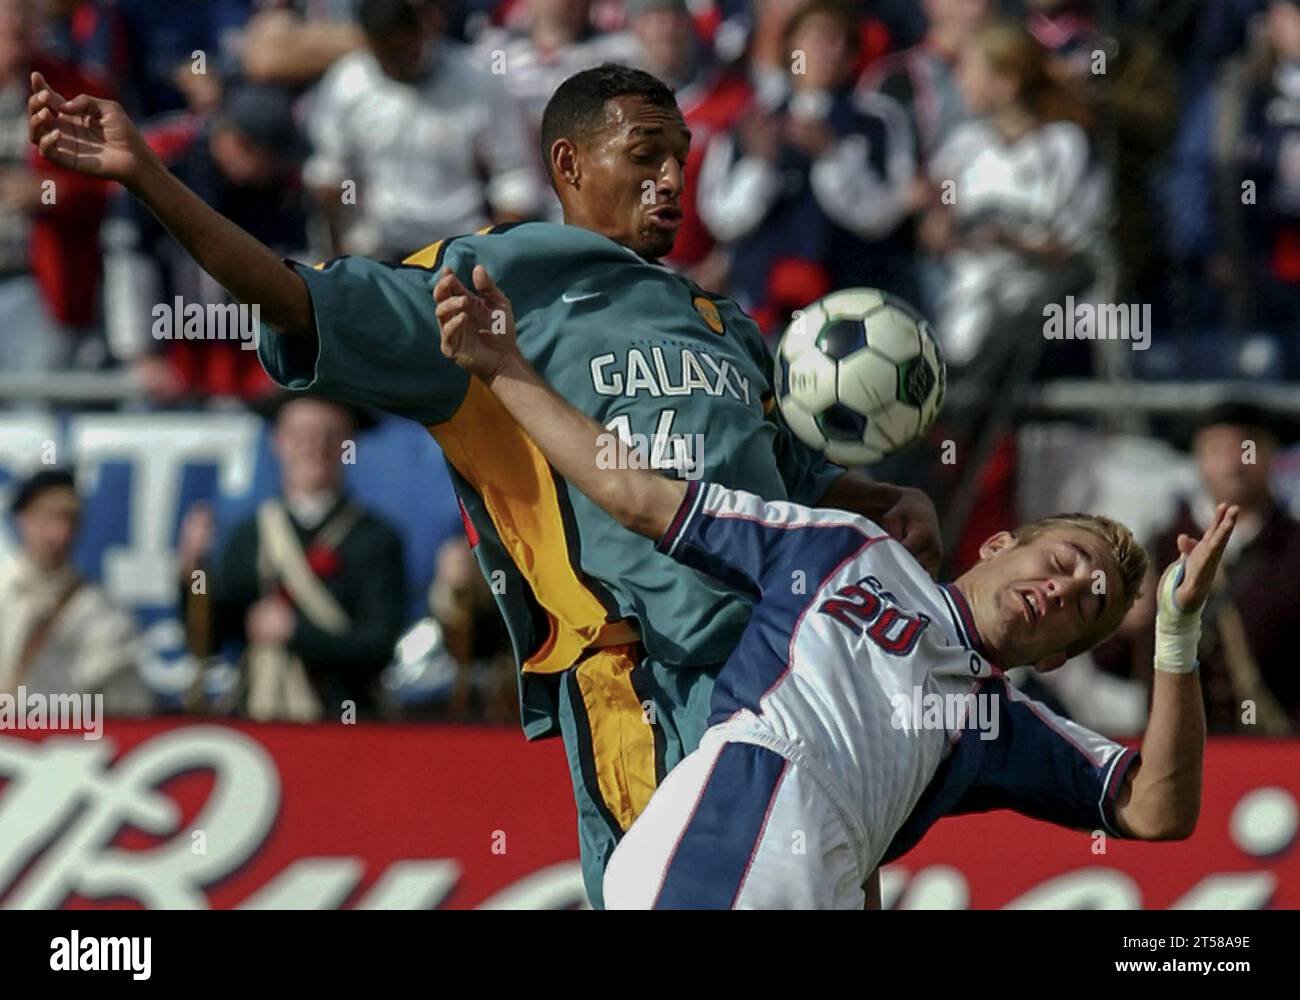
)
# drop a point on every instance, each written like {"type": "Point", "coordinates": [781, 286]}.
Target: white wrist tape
{"type": "Point", "coordinates": [1178, 632]}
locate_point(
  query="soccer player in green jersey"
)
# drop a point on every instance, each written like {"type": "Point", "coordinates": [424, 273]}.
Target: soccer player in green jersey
{"type": "Point", "coordinates": [617, 644]}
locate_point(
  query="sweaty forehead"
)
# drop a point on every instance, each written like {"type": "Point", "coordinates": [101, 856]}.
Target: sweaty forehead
{"type": "Point", "coordinates": [628, 117]}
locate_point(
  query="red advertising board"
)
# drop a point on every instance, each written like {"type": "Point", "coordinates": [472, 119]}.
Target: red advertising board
{"type": "Point", "coordinates": [173, 813]}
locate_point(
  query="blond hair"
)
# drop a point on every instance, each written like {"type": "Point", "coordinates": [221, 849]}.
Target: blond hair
{"type": "Point", "coordinates": [1012, 51]}
{"type": "Point", "coordinates": [1130, 560]}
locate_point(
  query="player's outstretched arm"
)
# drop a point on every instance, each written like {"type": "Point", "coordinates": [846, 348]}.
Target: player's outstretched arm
{"type": "Point", "coordinates": [95, 137]}
{"type": "Point", "coordinates": [1161, 799]}
{"type": "Point", "coordinates": [478, 333]}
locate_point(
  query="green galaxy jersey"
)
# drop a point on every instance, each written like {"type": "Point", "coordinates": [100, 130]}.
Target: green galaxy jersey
{"type": "Point", "coordinates": [682, 374]}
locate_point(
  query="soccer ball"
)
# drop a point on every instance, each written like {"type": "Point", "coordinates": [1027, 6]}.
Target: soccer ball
{"type": "Point", "coordinates": [859, 375]}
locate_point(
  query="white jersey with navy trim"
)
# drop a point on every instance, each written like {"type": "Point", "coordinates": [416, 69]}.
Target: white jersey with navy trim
{"type": "Point", "coordinates": [850, 648]}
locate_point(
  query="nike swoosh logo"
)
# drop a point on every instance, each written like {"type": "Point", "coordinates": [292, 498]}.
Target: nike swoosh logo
{"type": "Point", "coordinates": [567, 297]}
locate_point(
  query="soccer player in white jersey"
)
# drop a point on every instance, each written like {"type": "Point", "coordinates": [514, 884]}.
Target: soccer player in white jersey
{"type": "Point", "coordinates": [864, 701]}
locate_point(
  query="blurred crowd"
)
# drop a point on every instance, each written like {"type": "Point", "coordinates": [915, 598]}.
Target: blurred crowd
{"type": "Point", "coordinates": [975, 157]}
{"type": "Point", "coordinates": [951, 151]}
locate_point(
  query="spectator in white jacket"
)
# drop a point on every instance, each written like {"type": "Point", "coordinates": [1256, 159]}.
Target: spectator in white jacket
{"type": "Point", "coordinates": [558, 42]}
{"type": "Point", "coordinates": [1016, 191]}
{"type": "Point", "coordinates": [59, 633]}
{"type": "Point", "coordinates": [413, 141]}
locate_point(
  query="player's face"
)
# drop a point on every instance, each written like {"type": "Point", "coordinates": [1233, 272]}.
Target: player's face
{"type": "Point", "coordinates": [1034, 599]}
{"type": "Point", "coordinates": [48, 527]}
{"type": "Point", "coordinates": [627, 181]}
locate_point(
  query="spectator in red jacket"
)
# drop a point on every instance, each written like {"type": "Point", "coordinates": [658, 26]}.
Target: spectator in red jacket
{"type": "Point", "coordinates": [49, 217]}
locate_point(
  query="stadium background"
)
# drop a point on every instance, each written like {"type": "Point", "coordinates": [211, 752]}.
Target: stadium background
{"type": "Point", "coordinates": [436, 799]}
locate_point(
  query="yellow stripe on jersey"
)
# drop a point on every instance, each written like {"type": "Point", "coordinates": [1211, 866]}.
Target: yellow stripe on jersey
{"type": "Point", "coordinates": [428, 257]}
{"type": "Point", "coordinates": [431, 256]}
{"type": "Point", "coordinates": [484, 444]}
{"type": "Point", "coordinates": [622, 738]}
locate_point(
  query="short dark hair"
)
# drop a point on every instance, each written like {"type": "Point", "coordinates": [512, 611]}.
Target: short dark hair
{"type": "Point", "coordinates": [41, 482]}
{"type": "Point", "coordinates": [380, 18]}
{"type": "Point", "coordinates": [577, 108]}
{"type": "Point", "coordinates": [1240, 413]}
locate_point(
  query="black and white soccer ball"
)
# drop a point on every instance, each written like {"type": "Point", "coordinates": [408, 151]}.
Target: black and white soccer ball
{"type": "Point", "coordinates": [859, 375]}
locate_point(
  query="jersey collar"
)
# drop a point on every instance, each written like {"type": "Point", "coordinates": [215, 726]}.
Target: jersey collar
{"type": "Point", "coordinates": [963, 622]}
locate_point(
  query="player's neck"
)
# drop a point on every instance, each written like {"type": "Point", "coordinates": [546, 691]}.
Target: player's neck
{"type": "Point", "coordinates": [971, 594]}
{"type": "Point", "coordinates": [580, 223]}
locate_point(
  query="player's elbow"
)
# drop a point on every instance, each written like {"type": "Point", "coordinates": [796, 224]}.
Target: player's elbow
{"type": "Point", "coordinates": [627, 505]}
{"type": "Point", "coordinates": [1167, 830]}
{"type": "Point", "coordinates": [1183, 811]}
{"type": "Point", "coordinates": [1178, 829]}
{"type": "Point", "coordinates": [1183, 824]}
{"type": "Point", "coordinates": [643, 524]}
{"type": "Point", "coordinates": [287, 308]}
{"type": "Point", "coordinates": [641, 502]}
{"type": "Point", "coordinates": [1171, 822]}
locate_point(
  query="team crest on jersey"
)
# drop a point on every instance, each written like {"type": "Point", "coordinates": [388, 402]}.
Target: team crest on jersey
{"type": "Point", "coordinates": [708, 312]}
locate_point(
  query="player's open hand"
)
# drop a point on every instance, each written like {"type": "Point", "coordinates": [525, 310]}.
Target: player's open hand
{"type": "Point", "coordinates": [85, 134]}
{"type": "Point", "coordinates": [1201, 558]}
{"type": "Point", "coordinates": [478, 330]}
